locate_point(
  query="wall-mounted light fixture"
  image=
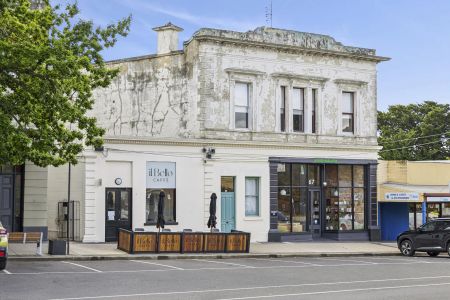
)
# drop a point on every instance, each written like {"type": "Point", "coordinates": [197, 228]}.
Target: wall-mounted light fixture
{"type": "Point", "coordinates": [208, 153]}
{"type": "Point", "coordinates": [283, 192]}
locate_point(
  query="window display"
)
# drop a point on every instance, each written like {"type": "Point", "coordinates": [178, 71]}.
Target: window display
{"type": "Point", "coordinates": [152, 199]}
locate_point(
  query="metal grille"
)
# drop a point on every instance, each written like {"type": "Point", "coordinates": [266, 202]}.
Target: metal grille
{"type": "Point", "coordinates": [74, 220]}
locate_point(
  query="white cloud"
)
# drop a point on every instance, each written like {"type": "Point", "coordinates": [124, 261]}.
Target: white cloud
{"type": "Point", "coordinates": [201, 21]}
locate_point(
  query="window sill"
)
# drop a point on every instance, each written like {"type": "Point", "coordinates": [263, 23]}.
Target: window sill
{"type": "Point", "coordinates": [253, 218]}
{"type": "Point", "coordinates": [154, 223]}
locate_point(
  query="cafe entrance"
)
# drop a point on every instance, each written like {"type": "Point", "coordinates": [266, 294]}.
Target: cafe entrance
{"type": "Point", "coordinates": [117, 212]}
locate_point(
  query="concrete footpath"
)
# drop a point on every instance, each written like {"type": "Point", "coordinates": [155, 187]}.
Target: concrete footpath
{"type": "Point", "coordinates": [109, 251]}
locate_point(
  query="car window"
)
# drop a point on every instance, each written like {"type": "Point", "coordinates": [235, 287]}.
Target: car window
{"type": "Point", "coordinates": [446, 225]}
{"type": "Point", "coordinates": [430, 226]}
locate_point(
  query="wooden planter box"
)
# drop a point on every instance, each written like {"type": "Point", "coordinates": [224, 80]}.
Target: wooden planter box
{"type": "Point", "coordinates": [137, 242]}
{"type": "Point", "coordinates": [214, 242]}
{"type": "Point", "coordinates": [169, 242]}
{"type": "Point", "coordinates": [192, 242]}
{"type": "Point", "coordinates": [237, 242]}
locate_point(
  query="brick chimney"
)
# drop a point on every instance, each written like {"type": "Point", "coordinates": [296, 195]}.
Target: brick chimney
{"type": "Point", "coordinates": [167, 38]}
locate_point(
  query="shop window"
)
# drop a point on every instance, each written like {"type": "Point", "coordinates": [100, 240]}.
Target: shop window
{"type": "Point", "coordinates": [358, 207]}
{"type": "Point", "coordinates": [251, 196]}
{"type": "Point", "coordinates": [299, 209]}
{"type": "Point", "coordinates": [241, 105]}
{"type": "Point", "coordinates": [332, 208]}
{"type": "Point", "coordinates": [445, 210]}
{"type": "Point", "coordinates": [284, 174]}
{"type": "Point", "coordinates": [432, 211]}
{"type": "Point", "coordinates": [152, 200]}
{"type": "Point", "coordinates": [345, 209]}
{"type": "Point", "coordinates": [313, 175]}
{"type": "Point", "coordinates": [348, 112]}
{"type": "Point", "coordinates": [358, 176]}
{"type": "Point", "coordinates": [331, 177]}
{"type": "Point", "coordinates": [345, 175]}
{"type": "Point", "coordinates": [299, 177]}
{"type": "Point", "coordinates": [283, 109]}
{"type": "Point", "coordinates": [298, 104]}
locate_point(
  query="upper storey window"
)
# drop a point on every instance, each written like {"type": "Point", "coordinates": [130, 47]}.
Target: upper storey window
{"type": "Point", "coordinates": [283, 109]}
{"type": "Point", "coordinates": [348, 101]}
{"type": "Point", "coordinates": [298, 104]}
{"type": "Point", "coordinates": [241, 105]}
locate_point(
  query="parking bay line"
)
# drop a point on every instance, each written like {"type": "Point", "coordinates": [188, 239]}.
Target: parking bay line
{"type": "Point", "coordinates": [339, 291]}
{"type": "Point", "coordinates": [156, 264]}
{"type": "Point", "coordinates": [258, 288]}
{"type": "Point", "coordinates": [226, 263]}
{"type": "Point", "coordinates": [286, 261]}
{"type": "Point", "coordinates": [6, 272]}
{"type": "Point", "coordinates": [81, 266]}
{"type": "Point", "coordinates": [347, 260]}
{"type": "Point", "coordinates": [227, 269]}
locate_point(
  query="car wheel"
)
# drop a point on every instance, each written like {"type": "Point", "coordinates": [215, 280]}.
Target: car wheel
{"type": "Point", "coordinates": [406, 248]}
{"type": "Point", "coordinates": [432, 253]}
{"type": "Point", "coordinates": [2, 264]}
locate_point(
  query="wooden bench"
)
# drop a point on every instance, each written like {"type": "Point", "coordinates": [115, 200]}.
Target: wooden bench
{"type": "Point", "coordinates": [27, 237]}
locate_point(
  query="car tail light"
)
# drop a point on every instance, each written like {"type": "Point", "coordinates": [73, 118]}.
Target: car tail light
{"type": "Point", "coordinates": [2, 253]}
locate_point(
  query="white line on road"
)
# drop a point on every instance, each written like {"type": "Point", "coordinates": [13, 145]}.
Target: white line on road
{"type": "Point", "coordinates": [7, 272]}
{"type": "Point", "coordinates": [340, 291]}
{"type": "Point", "coordinates": [286, 261]}
{"type": "Point", "coordinates": [347, 260]}
{"type": "Point", "coordinates": [261, 288]}
{"type": "Point", "coordinates": [81, 266]}
{"type": "Point", "coordinates": [225, 263]}
{"type": "Point", "coordinates": [156, 264]}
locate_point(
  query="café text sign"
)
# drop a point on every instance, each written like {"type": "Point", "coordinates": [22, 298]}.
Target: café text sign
{"type": "Point", "coordinates": [161, 175]}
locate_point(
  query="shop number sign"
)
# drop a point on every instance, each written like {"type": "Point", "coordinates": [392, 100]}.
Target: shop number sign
{"type": "Point", "coordinates": [161, 175]}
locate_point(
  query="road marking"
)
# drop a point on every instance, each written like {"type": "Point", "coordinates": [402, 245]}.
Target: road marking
{"type": "Point", "coordinates": [347, 260]}
{"type": "Point", "coordinates": [7, 272]}
{"type": "Point", "coordinates": [258, 288]}
{"type": "Point", "coordinates": [238, 267]}
{"type": "Point", "coordinates": [156, 264]}
{"type": "Point", "coordinates": [287, 261]}
{"type": "Point", "coordinates": [81, 266]}
{"type": "Point", "coordinates": [340, 291]}
{"type": "Point", "coordinates": [397, 259]}
{"type": "Point", "coordinates": [225, 263]}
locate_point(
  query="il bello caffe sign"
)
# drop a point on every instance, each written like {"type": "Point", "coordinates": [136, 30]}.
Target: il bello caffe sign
{"type": "Point", "coordinates": [161, 175]}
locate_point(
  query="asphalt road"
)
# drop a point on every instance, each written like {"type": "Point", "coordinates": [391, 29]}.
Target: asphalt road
{"type": "Point", "coordinates": [282, 278]}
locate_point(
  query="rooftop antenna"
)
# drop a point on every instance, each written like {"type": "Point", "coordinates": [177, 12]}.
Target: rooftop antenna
{"type": "Point", "coordinates": [269, 14]}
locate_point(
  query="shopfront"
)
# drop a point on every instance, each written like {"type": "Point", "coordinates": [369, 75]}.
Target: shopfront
{"type": "Point", "coordinates": [313, 199]}
{"type": "Point", "coordinates": [437, 205]}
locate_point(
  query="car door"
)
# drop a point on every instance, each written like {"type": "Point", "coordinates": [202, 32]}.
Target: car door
{"type": "Point", "coordinates": [424, 237]}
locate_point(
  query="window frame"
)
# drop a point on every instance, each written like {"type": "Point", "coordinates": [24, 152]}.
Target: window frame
{"type": "Point", "coordinates": [352, 114]}
{"type": "Point", "coordinates": [174, 210]}
{"type": "Point", "coordinates": [248, 107]}
{"type": "Point", "coordinates": [302, 110]}
{"type": "Point", "coordinates": [257, 196]}
{"type": "Point", "coordinates": [313, 110]}
{"type": "Point", "coordinates": [282, 112]}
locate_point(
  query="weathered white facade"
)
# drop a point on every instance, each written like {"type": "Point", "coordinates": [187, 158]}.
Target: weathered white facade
{"type": "Point", "coordinates": [179, 106]}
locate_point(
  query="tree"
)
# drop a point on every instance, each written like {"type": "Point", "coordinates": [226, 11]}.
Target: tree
{"type": "Point", "coordinates": [50, 62]}
{"type": "Point", "coordinates": [415, 132]}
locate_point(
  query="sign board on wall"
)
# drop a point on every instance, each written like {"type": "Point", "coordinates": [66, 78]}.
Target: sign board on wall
{"type": "Point", "coordinates": [401, 196]}
{"type": "Point", "coordinates": [161, 175]}
{"type": "Point", "coordinates": [438, 199]}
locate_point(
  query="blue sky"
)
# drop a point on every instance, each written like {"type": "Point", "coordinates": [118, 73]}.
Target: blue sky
{"type": "Point", "coordinates": [414, 33]}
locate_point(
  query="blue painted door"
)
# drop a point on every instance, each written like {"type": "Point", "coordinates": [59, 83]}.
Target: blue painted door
{"type": "Point", "coordinates": [228, 219]}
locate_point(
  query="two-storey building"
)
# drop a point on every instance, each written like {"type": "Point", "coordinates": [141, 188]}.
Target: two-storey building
{"type": "Point", "coordinates": [280, 124]}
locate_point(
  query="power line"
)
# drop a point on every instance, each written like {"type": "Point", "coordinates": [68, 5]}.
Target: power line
{"type": "Point", "coordinates": [422, 137]}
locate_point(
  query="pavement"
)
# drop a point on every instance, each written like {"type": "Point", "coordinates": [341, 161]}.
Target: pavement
{"type": "Point", "coordinates": [103, 251]}
{"type": "Point", "coordinates": [349, 277]}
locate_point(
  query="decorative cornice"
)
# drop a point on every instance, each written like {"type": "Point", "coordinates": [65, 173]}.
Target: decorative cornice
{"type": "Point", "coordinates": [240, 144]}
{"type": "Point", "coordinates": [244, 71]}
{"type": "Point", "coordinates": [350, 82]}
{"type": "Point", "coordinates": [297, 42]}
{"type": "Point", "coordinates": [300, 77]}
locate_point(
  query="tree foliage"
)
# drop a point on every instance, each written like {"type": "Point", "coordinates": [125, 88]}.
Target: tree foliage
{"type": "Point", "coordinates": [50, 62]}
{"type": "Point", "coordinates": [421, 131]}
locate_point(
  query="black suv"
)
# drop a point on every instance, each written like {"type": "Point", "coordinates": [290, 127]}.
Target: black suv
{"type": "Point", "coordinates": [432, 237]}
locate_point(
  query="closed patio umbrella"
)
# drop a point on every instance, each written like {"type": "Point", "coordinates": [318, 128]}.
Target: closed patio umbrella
{"type": "Point", "coordinates": [212, 212]}
{"type": "Point", "coordinates": [160, 222]}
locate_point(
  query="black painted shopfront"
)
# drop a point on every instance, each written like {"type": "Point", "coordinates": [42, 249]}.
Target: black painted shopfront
{"type": "Point", "coordinates": [322, 198]}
